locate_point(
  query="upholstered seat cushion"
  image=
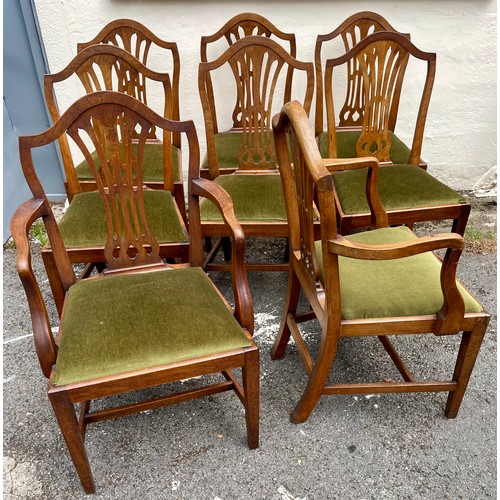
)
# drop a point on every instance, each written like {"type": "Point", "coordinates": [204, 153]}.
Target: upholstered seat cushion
{"type": "Point", "coordinates": [346, 146]}
{"type": "Point", "coordinates": [227, 145]}
{"type": "Point", "coordinates": [390, 288]}
{"type": "Point", "coordinates": [84, 222]}
{"type": "Point", "coordinates": [399, 186]}
{"type": "Point", "coordinates": [255, 198]}
{"type": "Point", "coordinates": [120, 323]}
{"type": "Point", "coordinates": [152, 164]}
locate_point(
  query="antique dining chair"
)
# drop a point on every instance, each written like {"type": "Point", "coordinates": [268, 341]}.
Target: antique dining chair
{"type": "Point", "coordinates": [408, 193]}
{"type": "Point", "coordinates": [376, 283]}
{"type": "Point", "coordinates": [160, 55]}
{"type": "Point", "coordinates": [83, 226]}
{"type": "Point", "coordinates": [140, 323]}
{"type": "Point", "coordinates": [240, 26]}
{"type": "Point", "coordinates": [350, 118]}
{"type": "Point", "coordinates": [242, 160]}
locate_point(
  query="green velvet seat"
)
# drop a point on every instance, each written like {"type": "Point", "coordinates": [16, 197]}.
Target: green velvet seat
{"type": "Point", "coordinates": [346, 146]}
{"type": "Point", "coordinates": [390, 288]}
{"type": "Point", "coordinates": [227, 145]}
{"type": "Point", "coordinates": [255, 198]}
{"type": "Point", "coordinates": [136, 321]}
{"type": "Point", "coordinates": [399, 187]}
{"type": "Point", "coordinates": [84, 222]}
{"type": "Point", "coordinates": [152, 164]}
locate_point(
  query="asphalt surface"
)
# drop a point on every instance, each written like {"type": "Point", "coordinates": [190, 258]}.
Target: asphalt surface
{"type": "Point", "coordinates": [352, 447]}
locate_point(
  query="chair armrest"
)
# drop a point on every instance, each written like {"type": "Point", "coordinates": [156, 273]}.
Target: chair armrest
{"type": "Point", "coordinates": [450, 316]}
{"type": "Point", "coordinates": [377, 211]}
{"type": "Point", "coordinates": [347, 248]}
{"type": "Point", "coordinates": [339, 164]}
{"type": "Point", "coordinates": [20, 225]}
{"type": "Point", "coordinates": [243, 305]}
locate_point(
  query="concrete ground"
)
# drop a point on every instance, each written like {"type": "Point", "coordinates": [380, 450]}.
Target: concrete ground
{"type": "Point", "coordinates": [352, 447]}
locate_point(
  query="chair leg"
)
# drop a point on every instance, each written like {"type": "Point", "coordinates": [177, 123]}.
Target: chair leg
{"type": "Point", "coordinates": [66, 416]}
{"type": "Point", "coordinates": [345, 225]}
{"type": "Point", "coordinates": [226, 248]}
{"type": "Point", "coordinates": [54, 281]}
{"type": "Point", "coordinates": [460, 224]}
{"type": "Point", "coordinates": [467, 354]}
{"type": "Point", "coordinates": [251, 374]}
{"type": "Point", "coordinates": [180, 200]}
{"type": "Point", "coordinates": [208, 244]}
{"type": "Point", "coordinates": [185, 254]}
{"type": "Point", "coordinates": [315, 384]}
{"type": "Point", "coordinates": [286, 256]}
{"type": "Point", "coordinates": [89, 268]}
{"type": "Point", "coordinates": [291, 302]}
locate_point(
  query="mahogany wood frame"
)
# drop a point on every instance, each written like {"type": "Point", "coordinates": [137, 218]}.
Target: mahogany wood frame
{"type": "Point", "coordinates": [351, 31]}
{"type": "Point", "coordinates": [238, 27]}
{"type": "Point", "coordinates": [105, 67]}
{"type": "Point", "coordinates": [104, 105]}
{"type": "Point", "coordinates": [249, 48]}
{"type": "Point", "coordinates": [310, 180]}
{"type": "Point", "coordinates": [95, 66]}
{"type": "Point", "coordinates": [381, 42]}
{"type": "Point", "coordinates": [135, 38]}
{"type": "Point", "coordinates": [247, 24]}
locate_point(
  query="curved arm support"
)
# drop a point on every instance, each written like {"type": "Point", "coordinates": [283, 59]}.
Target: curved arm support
{"type": "Point", "coordinates": [339, 164]}
{"type": "Point", "coordinates": [20, 225]}
{"type": "Point", "coordinates": [451, 314]}
{"type": "Point", "coordinates": [377, 211]}
{"type": "Point", "coordinates": [346, 248]}
{"type": "Point", "coordinates": [243, 305]}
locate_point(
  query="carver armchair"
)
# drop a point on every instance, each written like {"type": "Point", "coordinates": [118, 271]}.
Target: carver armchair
{"type": "Point", "coordinates": [140, 323]}
{"type": "Point", "coordinates": [242, 160]}
{"type": "Point", "coordinates": [407, 191]}
{"type": "Point", "coordinates": [83, 225]}
{"type": "Point", "coordinates": [378, 283]}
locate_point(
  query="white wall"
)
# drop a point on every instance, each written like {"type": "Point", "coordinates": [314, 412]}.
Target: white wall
{"type": "Point", "coordinates": [460, 135]}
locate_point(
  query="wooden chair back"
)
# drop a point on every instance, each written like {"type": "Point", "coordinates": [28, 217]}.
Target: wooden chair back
{"type": "Point", "coordinates": [307, 186]}
{"type": "Point", "coordinates": [257, 63]}
{"type": "Point", "coordinates": [135, 38]}
{"type": "Point", "coordinates": [106, 67]}
{"type": "Point", "coordinates": [238, 27]}
{"type": "Point", "coordinates": [351, 32]}
{"type": "Point", "coordinates": [117, 127]}
{"type": "Point", "coordinates": [382, 59]}
{"type": "Point", "coordinates": [122, 306]}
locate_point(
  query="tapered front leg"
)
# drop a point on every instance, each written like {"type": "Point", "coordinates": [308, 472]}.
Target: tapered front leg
{"type": "Point", "coordinates": [467, 355]}
{"type": "Point", "coordinates": [66, 416]}
{"type": "Point", "coordinates": [251, 374]}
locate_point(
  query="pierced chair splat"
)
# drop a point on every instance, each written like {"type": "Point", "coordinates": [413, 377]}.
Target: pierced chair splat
{"type": "Point", "coordinates": [151, 323]}
{"type": "Point", "coordinates": [156, 54]}
{"type": "Point", "coordinates": [407, 191]}
{"type": "Point", "coordinates": [350, 118]}
{"type": "Point", "coordinates": [83, 227]}
{"type": "Point", "coordinates": [243, 160]}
